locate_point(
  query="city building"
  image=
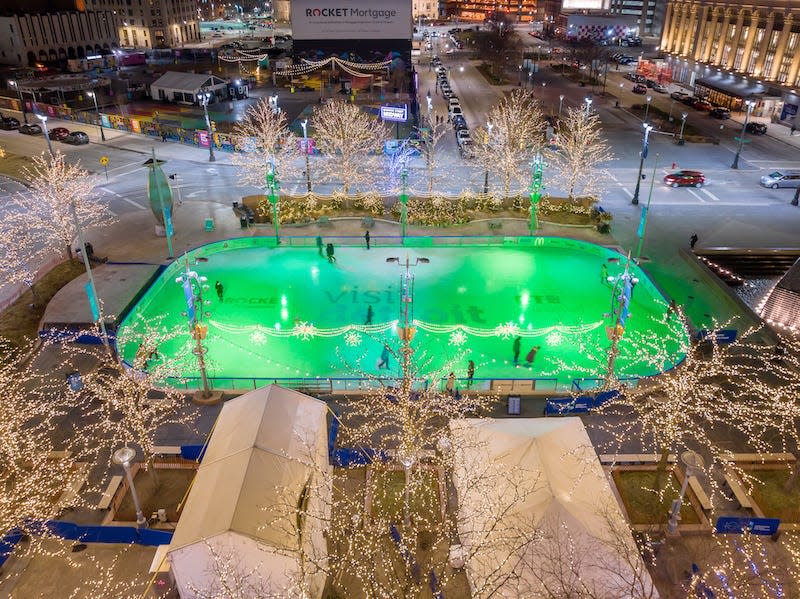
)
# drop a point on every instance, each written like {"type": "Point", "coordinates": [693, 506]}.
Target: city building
{"type": "Point", "coordinates": [425, 9]}
{"type": "Point", "coordinates": [730, 51]}
{"type": "Point", "coordinates": [153, 23]}
{"type": "Point", "coordinates": [49, 38]}
{"type": "Point", "coordinates": [521, 11]}
{"type": "Point", "coordinates": [650, 14]}
{"type": "Point", "coordinates": [596, 27]}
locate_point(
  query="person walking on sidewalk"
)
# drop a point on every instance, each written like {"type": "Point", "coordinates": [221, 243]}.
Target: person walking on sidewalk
{"type": "Point", "coordinates": [366, 238]}
{"type": "Point", "coordinates": [319, 245]}
{"type": "Point", "coordinates": [693, 240]}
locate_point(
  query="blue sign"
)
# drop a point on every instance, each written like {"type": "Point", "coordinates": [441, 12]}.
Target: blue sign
{"type": "Point", "coordinates": [395, 113]}
{"type": "Point", "coordinates": [755, 526]}
{"type": "Point", "coordinates": [168, 222]}
{"type": "Point", "coordinates": [92, 302]}
{"type": "Point", "coordinates": [723, 336]}
{"type": "Point", "coordinates": [642, 223]}
{"type": "Point", "coordinates": [74, 381]}
{"type": "Point", "coordinates": [188, 293]}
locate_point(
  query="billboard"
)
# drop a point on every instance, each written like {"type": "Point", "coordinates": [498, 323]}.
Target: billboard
{"type": "Point", "coordinates": [585, 4]}
{"type": "Point", "coordinates": [351, 19]}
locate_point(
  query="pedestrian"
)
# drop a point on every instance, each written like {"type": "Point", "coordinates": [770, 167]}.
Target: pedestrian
{"type": "Point", "coordinates": [517, 345]}
{"type": "Point", "coordinates": [603, 274]}
{"type": "Point", "coordinates": [671, 309]}
{"type": "Point", "coordinates": [366, 238]}
{"type": "Point", "coordinates": [532, 355]}
{"type": "Point", "coordinates": [319, 244]}
{"type": "Point", "coordinates": [693, 240]}
{"type": "Point", "coordinates": [384, 362]}
{"type": "Point", "coordinates": [674, 166]}
{"type": "Point", "coordinates": [794, 128]}
{"type": "Point", "coordinates": [370, 314]}
{"type": "Point", "coordinates": [329, 252]}
{"type": "Point", "coordinates": [470, 373]}
{"type": "Point", "coordinates": [220, 290]}
{"type": "Point", "coordinates": [451, 383]}
{"type": "Point", "coordinates": [163, 137]}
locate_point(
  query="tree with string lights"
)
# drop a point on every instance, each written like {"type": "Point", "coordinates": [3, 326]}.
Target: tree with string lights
{"type": "Point", "coordinates": [41, 217]}
{"type": "Point", "coordinates": [431, 149]}
{"type": "Point", "coordinates": [350, 140]}
{"type": "Point", "coordinates": [267, 144]}
{"type": "Point", "coordinates": [581, 151]}
{"type": "Point", "coordinates": [513, 135]}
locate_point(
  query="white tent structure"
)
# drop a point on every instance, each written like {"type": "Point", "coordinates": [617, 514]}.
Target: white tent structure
{"type": "Point", "coordinates": [537, 516]}
{"type": "Point", "coordinates": [266, 461]}
{"type": "Point", "coordinates": [184, 88]}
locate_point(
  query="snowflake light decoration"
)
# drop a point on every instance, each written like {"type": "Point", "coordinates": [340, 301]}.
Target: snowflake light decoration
{"type": "Point", "coordinates": [352, 339]}
{"type": "Point", "coordinates": [305, 331]}
{"type": "Point", "coordinates": [507, 330]}
{"type": "Point", "coordinates": [258, 338]}
{"type": "Point", "coordinates": [458, 338]}
{"type": "Point", "coordinates": [554, 338]}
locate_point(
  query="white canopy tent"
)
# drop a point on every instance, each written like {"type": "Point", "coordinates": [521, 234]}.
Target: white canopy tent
{"type": "Point", "coordinates": [537, 516]}
{"type": "Point", "coordinates": [267, 457]}
{"type": "Point", "coordinates": [184, 88]}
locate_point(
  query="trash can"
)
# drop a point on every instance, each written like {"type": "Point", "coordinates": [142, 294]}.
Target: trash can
{"type": "Point", "coordinates": [514, 405]}
{"type": "Point", "coordinates": [243, 222]}
{"type": "Point", "coordinates": [74, 380]}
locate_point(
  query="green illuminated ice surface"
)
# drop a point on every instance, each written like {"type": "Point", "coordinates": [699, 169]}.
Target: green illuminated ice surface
{"type": "Point", "coordinates": [288, 313]}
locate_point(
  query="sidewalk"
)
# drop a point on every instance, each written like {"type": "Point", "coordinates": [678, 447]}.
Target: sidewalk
{"type": "Point", "coordinates": [776, 131]}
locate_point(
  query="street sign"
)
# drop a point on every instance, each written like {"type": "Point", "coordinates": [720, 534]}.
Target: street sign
{"type": "Point", "coordinates": [723, 336]}
{"type": "Point", "coordinates": [168, 222]}
{"type": "Point", "coordinates": [746, 141]}
{"type": "Point", "coordinates": [755, 526]}
{"type": "Point", "coordinates": [104, 160]}
{"type": "Point", "coordinates": [395, 113]}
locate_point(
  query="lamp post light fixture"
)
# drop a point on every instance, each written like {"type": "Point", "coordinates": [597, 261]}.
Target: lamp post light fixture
{"type": "Point", "coordinates": [486, 171]}
{"type": "Point", "coordinates": [749, 105]}
{"type": "Point", "coordinates": [544, 85]}
{"type": "Point", "coordinates": [272, 188]}
{"type": "Point", "coordinates": [304, 125]}
{"type": "Point", "coordinates": [93, 96]}
{"type": "Point", "coordinates": [642, 156]}
{"type": "Point", "coordinates": [21, 101]}
{"type": "Point", "coordinates": [43, 119]}
{"type": "Point", "coordinates": [588, 102]}
{"type": "Point", "coordinates": [204, 98]}
{"type": "Point", "coordinates": [123, 457]}
{"type": "Point", "coordinates": [645, 212]}
{"type": "Point", "coordinates": [193, 286]}
{"type": "Point", "coordinates": [683, 124]}
{"type": "Point", "coordinates": [694, 463]}
{"type": "Point", "coordinates": [647, 107]}
{"type": "Point", "coordinates": [560, 103]}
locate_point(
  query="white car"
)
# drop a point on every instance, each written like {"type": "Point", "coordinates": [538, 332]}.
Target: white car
{"type": "Point", "coordinates": [454, 101]}
{"type": "Point", "coordinates": [659, 88]}
{"type": "Point", "coordinates": [456, 111]}
{"type": "Point", "coordinates": [462, 136]}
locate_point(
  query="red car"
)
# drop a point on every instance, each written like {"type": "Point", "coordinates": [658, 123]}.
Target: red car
{"type": "Point", "coordinates": [685, 179]}
{"type": "Point", "coordinates": [58, 133]}
{"type": "Point", "coordinates": [703, 105]}
{"type": "Point", "coordinates": [640, 88]}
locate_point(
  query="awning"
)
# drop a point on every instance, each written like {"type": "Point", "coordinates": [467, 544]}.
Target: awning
{"type": "Point", "coordinates": [733, 86]}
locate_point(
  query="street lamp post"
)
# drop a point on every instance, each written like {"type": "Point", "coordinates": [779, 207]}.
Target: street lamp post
{"type": "Point", "coordinates": [645, 211]}
{"type": "Point", "coordinates": [123, 457]}
{"type": "Point", "coordinates": [43, 119]}
{"type": "Point", "coordinates": [694, 463]}
{"type": "Point", "coordinates": [642, 156]}
{"type": "Point", "coordinates": [647, 107]}
{"type": "Point", "coordinates": [560, 104]}
{"type": "Point", "coordinates": [683, 124]}
{"type": "Point", "coordinates": [486, 171]}
{"type": "Point", "coordinates": [204, 97]}
{"type": "Point", "coordinates": [749, 104]}
{"type": "Point", "coordinates": [304, 125]}
{"type": "Point", "coordinates": [403, 202]}
{"type": "Point", "coordinates": [588, 102]}
{"type": "Point", "coordinates": [193, 286]}
{"type": "Point", "coordinates": [93, 96]}
{"type": "Point", "coordinates": [21, 101]}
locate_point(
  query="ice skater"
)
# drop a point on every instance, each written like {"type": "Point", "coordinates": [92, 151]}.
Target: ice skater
{"type": "Point", "coordinates": [366, 238]}
{"type": "Point", "coordinates": [532, 355]}
{"type": "Point", "coordinates": [451, 383]}
{"type": "Point", "coordinates": [470, 373]}
{"type": "Point", "coordinates": [693, 240]}
{"type": "Point", "coordinates": [370, 314]}
{"type": "Point", "coordinates": [329, 252]}
{"type": "Point", "coordinates": [517, 347]}
{"type": "Point", "coordinates": [319, 245]}
{"type": "Point", "coordinates": [220, 290]}
{"type": "Point", "coordinates": [384, 363]}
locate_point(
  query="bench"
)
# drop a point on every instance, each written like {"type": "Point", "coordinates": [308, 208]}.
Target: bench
{"type": "Point", "coordinates": [324, 222]}
{"type": "Point", "coordinates": [735, 485]}
{"type": "Point", "coordinates": [636, 458]}
{"type": "Point", "coordinates": [762, 458]}
{"type": "Point", "coordinates": [167, 450]}
{"type": "Point", "coordinates": [108, 494]}
{"type": "Point", "coordinates": [698, 491]}
{"type": "Point", "coordinates": [69, 497]}
{"type": "Point", "coordinates": [367, 222]}
{"type": "Point", "coordinates": [495, 225]}
{"type": "Point", "coordinates": [59, 455]}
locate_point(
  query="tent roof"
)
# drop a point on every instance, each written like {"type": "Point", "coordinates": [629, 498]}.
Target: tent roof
{"type": "Point", "coordinates": [259, 460]}
{"type": "Point", "coordinates": [187, 82]}
{"type": "Point", "coordinates": [564, 492]}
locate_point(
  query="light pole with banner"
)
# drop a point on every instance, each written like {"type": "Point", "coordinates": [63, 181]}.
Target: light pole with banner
{"type": "Point", "coordinates": [683, 124]}
{"type": "Point", "coordinates": [93, 96]}
{"type": "Point", "coordinates": [15, 84]}
{"type": "Point", "coordinates": [304, 125]}
{"type": "Point", "coordinates": [642, 156]}
{"type": "Point", "coordinates": [694, 464]}
{"type": "Point", "coordinates": [403, 202]}
{"type": "Point", "coordinates": [123, 457]}
{"type": "Point", "coordinates": [645, 211]}
{"type": "Point", "coordinates": [272, 185]}
{"type": "Point", "coordinates": [204, 97]}
{"type": "Point", "coordinates": [749, 105]}
{"type": "Point", "coordinates": [536, 191]}
{"type": "Point", "coordinates": [43, 119]}
{"type": "Point", "coordinates": [160, 195]}
{"type": "Point", "coordinates": [193, 286]}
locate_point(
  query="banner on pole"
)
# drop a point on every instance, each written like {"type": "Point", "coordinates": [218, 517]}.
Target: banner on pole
{"type": "Point", "coordinates": [642, 223]}
{"type": "Point", "coordinates": [92, 302]}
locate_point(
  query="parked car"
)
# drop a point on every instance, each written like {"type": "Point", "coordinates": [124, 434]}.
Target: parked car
{"type": "Point", "coordinates": [456, 111]}
{"type": "Point", "coordinates": [689, 100]}
{"type": "Point", "coordinates": [756, 128]}
{"type": "Point", "coordinates": [9, 123]}
{"type": "Point", "coordinates": [31, 129]}
{"type": "Point", "coordinates": [447, 92]}
{"type": "Point", "coordinates": [640, 88]}
{"type": "Point", "coordinates": [453, 100]}
{"type": "Point", "coordinates": [720, 113]}
{"type": "Point", "coordinates": [783, 178]}
{"type": "Point", "coordinates": [635, 77]}
{"type": "Point", "coordinates": [462, 135]}
{"type": "Point", "coordinates": [58, 133]}
{"type": "Point", "coordinates": [459, 122]}
{"type": "Point", "coordinates": [703, 105]}
{"type": "Point", "coordinates": [661, 89]}
{"type": "Point", "coordinates": [685, 179]}
{"type": "Point", "coordinates": [679, 96]}
{"type": "Point", "coordinates": [76, 138]}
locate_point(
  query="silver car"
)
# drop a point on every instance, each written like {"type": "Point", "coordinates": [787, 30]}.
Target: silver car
{"type": "Point", "coordinates": [778, 179]}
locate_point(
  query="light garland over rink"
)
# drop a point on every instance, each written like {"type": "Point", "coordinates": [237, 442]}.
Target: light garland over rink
{"type": "Point", "coordinates": [306, 331]}
{"type": "Point", "coordinates": [353, 68]}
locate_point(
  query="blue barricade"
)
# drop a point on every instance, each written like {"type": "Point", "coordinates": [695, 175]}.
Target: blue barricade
{"type": "Point", "coordinates": [722, 337]}
{"type": "Point", "coordinates": [193, 452]}
{"type": "Point", "coordinates": [7, 545]}
{"type": "Point", "coordinates": [558, 406]}
{"type": "Point", "coordinates": [347, 457]}
{"type": "Point", "coordinates": [756, 526]}
{"type": "Point", "coordinates": [433, 583]}
{"type": "Point", "coordinates": [332, 434]}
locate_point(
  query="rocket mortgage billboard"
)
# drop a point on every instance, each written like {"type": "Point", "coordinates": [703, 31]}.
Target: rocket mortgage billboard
{"type": "Point", "coordinates": [350, 19]}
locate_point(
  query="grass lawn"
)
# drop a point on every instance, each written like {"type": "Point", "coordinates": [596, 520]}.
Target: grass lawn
{"type": "Point", "coordinates": [423, 495]}
{"type": "Point", "coordinates": [495, 77]}
{"type": "Point", "coordinates": [773, 499]}
{"type": "Point", "coordinates": [20, 322]}
{"type": "Point", "coordinates": [642, 503]}
{"type": "Point", "coordinates": [12, 165]}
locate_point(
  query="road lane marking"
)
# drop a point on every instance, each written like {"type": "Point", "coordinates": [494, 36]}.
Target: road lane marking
{"type": "Point", "coordinates": [711, 195]}
{"type": "Point", "coordinates": [691, 191]}
{"type": "Point", "coordinates": [124, 199]}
